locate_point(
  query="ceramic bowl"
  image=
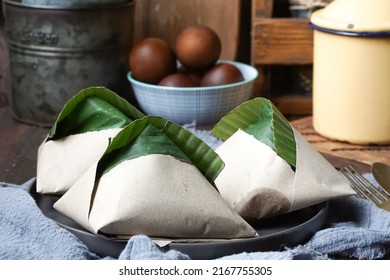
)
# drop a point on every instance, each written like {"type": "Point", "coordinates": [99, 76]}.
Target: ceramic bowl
{"type": "Point", "coordinates": [199, 105]}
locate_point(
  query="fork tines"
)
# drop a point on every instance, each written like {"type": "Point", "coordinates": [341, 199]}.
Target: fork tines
{"type": "Point", "coordinates": [363, 187]}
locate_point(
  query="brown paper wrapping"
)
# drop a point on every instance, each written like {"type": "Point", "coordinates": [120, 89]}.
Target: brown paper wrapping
{"type": "Point", "coordinates": [155, 195]}
{"type": "Point", "coordinates": [62, 162]}
{"type": "Point", "coordinates": [257, 183]}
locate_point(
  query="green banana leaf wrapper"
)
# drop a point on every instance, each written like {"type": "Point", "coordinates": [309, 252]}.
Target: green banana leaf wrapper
{"type": "Point", "coordinates": [270, 169]}
{"type": "Point", "coordinates": [79, 136]}
{"type": "Point", "coordinates": [155, 178]}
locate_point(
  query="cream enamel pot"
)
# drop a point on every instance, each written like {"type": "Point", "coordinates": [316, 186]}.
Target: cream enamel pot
{"type": "Point", "coordinates": [351, 69]}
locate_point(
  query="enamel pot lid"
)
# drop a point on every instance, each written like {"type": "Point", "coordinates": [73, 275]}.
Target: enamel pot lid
{"type": "Point", "coordinates": [354, 18]}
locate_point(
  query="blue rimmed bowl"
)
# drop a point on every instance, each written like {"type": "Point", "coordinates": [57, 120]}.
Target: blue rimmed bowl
{"type": "Point", "coordinates": [202, 105]}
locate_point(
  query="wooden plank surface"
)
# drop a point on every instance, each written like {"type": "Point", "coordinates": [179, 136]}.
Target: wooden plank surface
{"type": "Point", "coordinates": [362, 153]}
{"type": "Point", "coordinates": [282, 41]}
{"type": "Point", "coordinates": [18, 148]}
{"type": "Point", "coordinates": [262, 8]}
{"type": "Point", "coordinates": [294, 104]}
{"type": "Point", "coordinates": [166, 18]}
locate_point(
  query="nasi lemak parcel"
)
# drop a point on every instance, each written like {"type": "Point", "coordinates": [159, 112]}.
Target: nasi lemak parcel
{"type": "Point", "coordinates": [155, 178]}
{"type": "Point", "coordinates": [79, 137]}
{"type": "Point", "coordinates": [270, 169]}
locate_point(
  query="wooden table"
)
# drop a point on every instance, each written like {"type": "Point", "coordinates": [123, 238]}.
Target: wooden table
{"type": "Point", "coordinates": [18, 148]}
{"type": "Point", "coordinates": [19, 143]}
{"type": "Point", "coordinates": [362, 153]}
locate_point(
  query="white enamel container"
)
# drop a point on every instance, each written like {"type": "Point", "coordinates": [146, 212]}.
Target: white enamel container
{"type": "Point", "coordinates": [351, 71]}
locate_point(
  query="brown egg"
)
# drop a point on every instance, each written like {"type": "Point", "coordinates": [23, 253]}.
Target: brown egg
{"type": "Point", "coordinates": [221, 74]}
{"type": "Point", "coordinates": [152, 59]}
{"type": "Point", "coordinates": [198, 47]}
{"type": "Point", "coordinates": [177, 80]}
{"type": "Point", "coordinates": [196, 76]}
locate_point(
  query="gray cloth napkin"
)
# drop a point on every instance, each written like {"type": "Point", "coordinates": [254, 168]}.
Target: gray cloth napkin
{"type": "Point", "coordinates": [25, 233]}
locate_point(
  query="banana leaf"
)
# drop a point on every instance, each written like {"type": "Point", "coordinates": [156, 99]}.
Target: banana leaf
{"type": "Point", "coordinates": [260, 118]}
{"type": "Point", "coordinates": [93, 109]}
{"type": "Point", "coordinates": [156, 135]}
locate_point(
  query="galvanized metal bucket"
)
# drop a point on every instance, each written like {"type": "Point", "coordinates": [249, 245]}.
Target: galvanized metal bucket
{"type": "Point", "coordinates": [55, 52]}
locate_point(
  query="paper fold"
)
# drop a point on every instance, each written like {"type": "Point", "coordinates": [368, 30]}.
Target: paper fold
{"type": "Point", "coordinates": [257, 183]}
{"type": "Point", "coordinates": [62, 162]}
{"type": "Point", "coordinates": [155, 195]}
{"type": "Point", "coordinates": [316, 180]}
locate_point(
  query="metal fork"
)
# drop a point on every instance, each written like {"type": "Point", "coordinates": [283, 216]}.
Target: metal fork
{"type": "Point", "coordinates": [365, 189]}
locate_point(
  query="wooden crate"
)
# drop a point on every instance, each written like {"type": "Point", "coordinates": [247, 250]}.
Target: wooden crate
{"type": "Point", "coordinates": [280, 42]}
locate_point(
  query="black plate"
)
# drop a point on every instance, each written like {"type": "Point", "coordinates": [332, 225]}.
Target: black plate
{"type": "Point", "coordinates": [276, 233]}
